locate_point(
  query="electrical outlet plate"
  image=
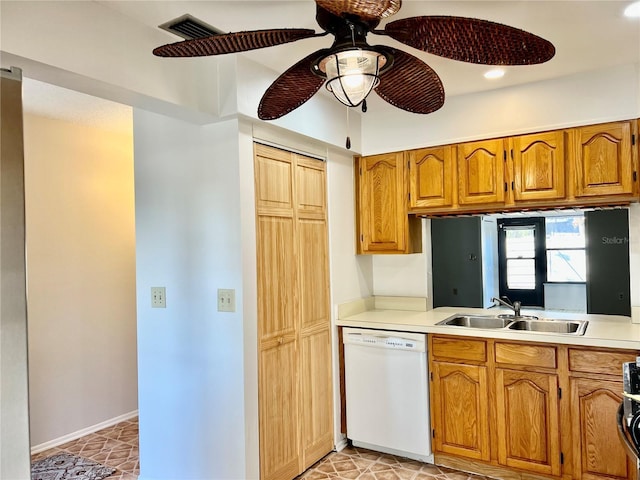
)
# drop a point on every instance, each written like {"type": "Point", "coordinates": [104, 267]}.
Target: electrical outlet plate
{"type": "Point", "coordinates": [226, 300]}
{"type": "Point", "coordinates": [158, 297]}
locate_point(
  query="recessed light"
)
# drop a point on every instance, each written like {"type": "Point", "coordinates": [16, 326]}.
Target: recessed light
{"type": "Point", "coordinates": [495, 73]}
{"type": "Point", "coordinates": [632, 10]}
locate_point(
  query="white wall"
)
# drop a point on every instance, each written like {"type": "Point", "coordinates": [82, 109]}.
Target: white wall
{"type": "Point", "coordinates": [404, 275]}
{"type": "Point", "coordinates": [190, 356]}
{"type": "Point", "coordinates": [81, 276]}
{"type": "Point", "coordinates": [592, 97]}
{"type": "Point", "coordinates": [88, 47]}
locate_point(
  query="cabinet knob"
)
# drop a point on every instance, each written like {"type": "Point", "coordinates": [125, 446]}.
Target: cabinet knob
{"type": "Point", "coordinates": [280, 340]}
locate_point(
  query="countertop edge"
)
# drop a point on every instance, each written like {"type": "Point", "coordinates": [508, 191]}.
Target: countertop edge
{"type": "Point", "coordinates": [616, 333]}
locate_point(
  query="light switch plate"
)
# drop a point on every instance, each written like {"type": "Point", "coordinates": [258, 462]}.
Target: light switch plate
{"type": "Point", "coordinates": [226, 300]}
{"type": "Point", "coordinates": [158, 297]}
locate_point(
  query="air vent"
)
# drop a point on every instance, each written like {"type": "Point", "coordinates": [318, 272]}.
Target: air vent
{"type": "Point", "coordinates": [189, 27]}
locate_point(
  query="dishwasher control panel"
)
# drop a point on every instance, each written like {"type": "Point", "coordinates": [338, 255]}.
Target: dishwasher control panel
{"type": "Point", "coordinates": [393, 341]}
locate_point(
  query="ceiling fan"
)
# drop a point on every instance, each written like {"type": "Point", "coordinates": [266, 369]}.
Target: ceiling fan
{"type": "Point", "coordinates": [351, 67]}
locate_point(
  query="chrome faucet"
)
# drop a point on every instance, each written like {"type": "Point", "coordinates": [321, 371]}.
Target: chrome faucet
{"type": "Point", "coordinates": [515, 306]}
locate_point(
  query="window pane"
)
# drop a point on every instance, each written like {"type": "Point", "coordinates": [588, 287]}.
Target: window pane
{"type": "Point", "coordinates": [520, 242]}
{"type": "Point", "coordinates": [521, 274]}
{"type": "Point", "coordinates": [565, 232]}
{"type": "Point", "coordinates": [566, 266]}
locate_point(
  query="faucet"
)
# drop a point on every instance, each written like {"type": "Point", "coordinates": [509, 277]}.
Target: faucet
{"type": "Point", "coordinates": [515, 306]}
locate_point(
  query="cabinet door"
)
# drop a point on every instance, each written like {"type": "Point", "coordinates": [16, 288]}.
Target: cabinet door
{"type": "Point", "coordinates": [602, 159]}
{"type": "Point", "coordinates": [460, 410]}
{"type": "Point", "coordinates": [527, 423]}
{"type": "Point", "coordinates": [316, 393]}
{"type": "Point", "coordinates": [431, 177]}
{"type": "Point", "coordinates": [382, 205]}
{"type": "Point", "coordinates": [598, 452]}
{"type": "Point", "coordinates": [481, 172]}
{"type": "Point", "coordinates": [538, 166]}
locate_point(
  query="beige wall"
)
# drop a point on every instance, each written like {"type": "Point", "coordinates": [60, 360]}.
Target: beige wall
{"type": "Point", "coordinates": [80, 276]}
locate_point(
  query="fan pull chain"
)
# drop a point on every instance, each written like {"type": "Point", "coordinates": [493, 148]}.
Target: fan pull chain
{"type": "Point", "coordinates": [348, 144]}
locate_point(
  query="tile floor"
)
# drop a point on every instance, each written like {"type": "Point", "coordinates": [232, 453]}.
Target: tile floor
{"type": "Point", "coordinates": [117, 447]}
{"type": "Point", "coordinates": [357, 463]}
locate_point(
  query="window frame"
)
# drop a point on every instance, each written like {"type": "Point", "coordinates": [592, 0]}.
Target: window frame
{"type": "Point", "coordinates": [547, 250]}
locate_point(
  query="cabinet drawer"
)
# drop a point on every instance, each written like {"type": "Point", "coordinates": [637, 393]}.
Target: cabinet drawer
{"type": "Point", "coordinates": [599, 361]}
{"type": "Point", "coordinates": [523, 354]}
{"type": "Point", "coordinates": [459, 349]}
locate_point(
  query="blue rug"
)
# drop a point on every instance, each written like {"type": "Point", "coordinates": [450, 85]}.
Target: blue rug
{"type": "Point", "coordinates": [65, 466]}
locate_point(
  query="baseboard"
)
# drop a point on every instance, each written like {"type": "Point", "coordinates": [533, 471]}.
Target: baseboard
{"type": "Point", "coordinates": [341, 443]}
{"type": "Point", "coordinates": [81, 433]}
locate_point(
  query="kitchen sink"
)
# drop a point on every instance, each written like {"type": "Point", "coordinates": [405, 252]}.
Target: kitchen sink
{"type": "Point", "coordinates": [524, 323]}
{"type": "Point", "coordinates": [576, 327]}
{"type": "Point", "coordinates": [473, 321]}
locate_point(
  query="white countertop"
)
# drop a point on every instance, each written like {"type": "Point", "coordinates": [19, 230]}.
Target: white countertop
{"type": "Point", "coordinates": [611, 331]}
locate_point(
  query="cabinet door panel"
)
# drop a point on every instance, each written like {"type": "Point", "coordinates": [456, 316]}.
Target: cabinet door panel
{"type": "Point", "coordinates": [460, 404]}
{"type": "Point", "coordinates": [310, 187]}
{"type": "Point", "coordinates": [279, 437]}
{"type": "Point", "coordinates": [317, 398]}
{"type": "Point", "coordinates": [598, 452]}
{"type": "Point", "coordinates": [481, 172]}
{"type": "Point", "coordinates": [602, 160]}
{"type": "Point", "coordinates": [274, 175]}
{"type": "Point", "coordinates": [382, 197]}
{"type": "Point", "coordinates": [277, 277]}
{"type": "Point", "coordinates": [528, 430]}
{"type": "Point", "coordinates": [538, 166]}
{"type": "Point", "coordinates": [431, 177]}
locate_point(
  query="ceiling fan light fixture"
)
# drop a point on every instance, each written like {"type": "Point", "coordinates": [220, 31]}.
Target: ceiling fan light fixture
{"type": "Point", "coordinates": [352, 74]}
{"type": "Point", "coordinates": [633, 10]}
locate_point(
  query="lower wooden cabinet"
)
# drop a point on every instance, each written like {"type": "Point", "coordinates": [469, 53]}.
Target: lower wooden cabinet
{"type": "Point", "coordinates": [598, 453]}
{"type": "Point", "coordinates": [512, 409]}
{"type": "Point", "coordinates": [460, 410]}
{"type": "Point", "coordinates": [527, 421]}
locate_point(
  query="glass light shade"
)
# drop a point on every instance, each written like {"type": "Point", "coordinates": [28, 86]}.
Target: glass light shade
{"type": "Point", "coordinates": [352, 74]}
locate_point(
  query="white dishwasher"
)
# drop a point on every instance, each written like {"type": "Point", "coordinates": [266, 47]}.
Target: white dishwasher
{"type": "Point", "coordinates": [387, 392]}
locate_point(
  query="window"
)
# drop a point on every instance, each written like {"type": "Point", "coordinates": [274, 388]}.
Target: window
{"type": "Point", "coordinates": [565, 244]}
{"type": "Point", "coordinates": [520, 257]}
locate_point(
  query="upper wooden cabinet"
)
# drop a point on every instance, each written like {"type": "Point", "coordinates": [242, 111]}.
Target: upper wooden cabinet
{"type": "Point", "coordinates": [431, 177]}
{"type": "Point", "coordinates": [577, 167]}
{"type": "Point", "coordinates": [538, 166]}
{"type": "Point", "coordinates": [602, 159]}
{"type": "Point", "coordinates": [481, 172]}
{"type": "Point", "coordinates": [383, 221]}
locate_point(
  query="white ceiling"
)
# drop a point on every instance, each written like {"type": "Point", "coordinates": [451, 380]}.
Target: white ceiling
{"type": "Point", "coordinates": [588, 35]}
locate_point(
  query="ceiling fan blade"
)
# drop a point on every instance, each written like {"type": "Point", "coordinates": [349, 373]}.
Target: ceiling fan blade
{"type": "Point", "coordinates": [365, 9]}
{"type": "Point", "coordinates": [233, 42]}
{"type": "Point", "coordinates": [411, 85]}
{"type": "Point", "coordinates": [291, 89]}
{"type": "Point", "coordinates": [471, 40]}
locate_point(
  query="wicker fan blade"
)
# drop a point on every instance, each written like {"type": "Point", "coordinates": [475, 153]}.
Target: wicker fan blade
{"type": "Point", "coordinates": [232, 42]}
{"type": "Point", "coordinates": [411, 85]}
{"type": "Point", "coordinates": [471, 40]}
{"type": "Point", "coordinates": [365, 9]}
{"type": "Point", "coordinates": [291, 89]}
